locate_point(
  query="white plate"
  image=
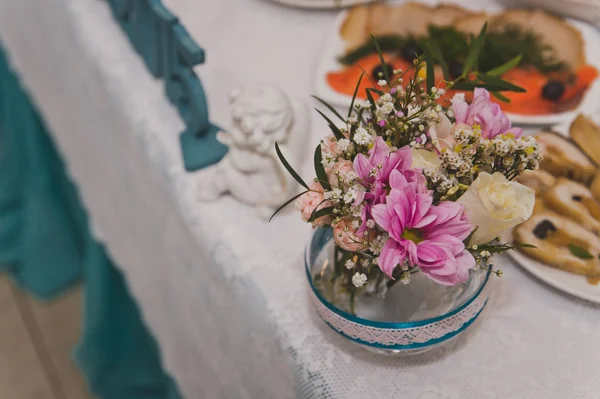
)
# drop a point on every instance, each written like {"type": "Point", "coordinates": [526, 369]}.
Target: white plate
{"type": "Point", "coordinates": [570, 283]}
{"type": "Point", "coordinates": [321, 3]}
{"type": "Point", "coordinates": [335, 47]}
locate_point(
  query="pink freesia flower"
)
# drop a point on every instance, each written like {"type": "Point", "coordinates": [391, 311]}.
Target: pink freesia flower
{"type": "Point", "coordinates": [430, 237]}
{"type": "Point", "coordinates": [341, 170]}
{"type": "Point", "coordinates": [308, 202]}
{"type": "Point", "coordinates": [484, 112]}
{"type": "Point", "coordinates": [375, 171]}
{"type": "Point", "coordinates": [347, 238]}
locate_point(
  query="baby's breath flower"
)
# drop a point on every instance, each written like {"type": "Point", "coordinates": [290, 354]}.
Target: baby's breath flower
{"type": "Point", "coordinates": [359, 279]}
{"type": "Point", "coordinates": [362, 137]}
{"type": "Point", "coordinates": [350, 264]}
{"type": "Point", "coordinates": [343, 145]}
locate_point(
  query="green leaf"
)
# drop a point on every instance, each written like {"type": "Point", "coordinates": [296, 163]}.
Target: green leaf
{"type": "Point", "coordinates": [291, 170]}
{"type": "Point", "coordinates": [287, 203]}
{"type": "Point", "coordinates": [371, 100]}
{"type": "Point", "coordinates": [500, 96]}
{"type": "Point", "coordinates": [320, 170]}
{"type": "Point", "coordinates": [502, 84]}
{"type": "Point", "coordinates": [527, 246]}
{"type": "Point", "coordinates": [506, 66]}
{"type": "Point", "coordinates": [474, 50]}
{"type": "Point", "coordinates": [580, 252]}
{"type": "Point", "coordinates": [435, 51]}
{"type": "Point", "coordinates": [329, 107]}
{"type": "Point", "coordinates": [386, 73]}
{"type": "Point", "coordinates": [430, 72]}
{"type": "Point", "coordinates": [355, 93]}
{"type": "Point", "coordinates": [376, 91]}
{"type": "Point", "coordinates": [320, 213]}
{"type": "Point", "coordinates": [336, 131]}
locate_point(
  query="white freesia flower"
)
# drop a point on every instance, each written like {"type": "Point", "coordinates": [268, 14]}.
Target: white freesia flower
{"type": "Point", "coordinates": [442, 132]}
{"type": "Point", "coordinates": [493, 204]}
{"type": "Point", "coordinates": [426, 160]}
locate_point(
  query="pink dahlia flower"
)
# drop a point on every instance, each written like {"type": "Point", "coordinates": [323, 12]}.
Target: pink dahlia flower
{"type": "Point", "coordinates": [424, 235]}
{"type": "Point", "coordinates": [375, 172]}
{"type": "Point", "coordinates": [485, 113]}
{"type": "Point", "coordinates": [308, 202]}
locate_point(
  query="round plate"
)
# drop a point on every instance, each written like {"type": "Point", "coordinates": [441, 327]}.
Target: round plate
{"type": "Point", "coordinates": [570, 283]}
{"type": "Point", "coordinates": [321, 3]}
{"type": "Point", "coordinates": [335, 46]}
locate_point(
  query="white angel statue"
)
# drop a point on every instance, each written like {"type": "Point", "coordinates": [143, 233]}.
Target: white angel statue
{"type": "Point", "coordinates": [251, 171]}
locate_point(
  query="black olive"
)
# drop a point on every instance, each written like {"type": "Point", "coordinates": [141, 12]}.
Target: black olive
{"type": "Point", "coordinates": [543, 228]}
{"type": "Point", "coordinates": [455, 69]}
{"type": "Point", "coordinates": [411, 50]}
{"type": "Point", "coordinates": [379, 69]}
{"type": "Point", "coordinates": [553, 90]}
{"type": "Point", "coordinates": [577, 198]}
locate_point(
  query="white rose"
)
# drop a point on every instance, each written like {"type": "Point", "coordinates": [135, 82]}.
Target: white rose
{"type": "Point", "coordinates": [424, 159]}
{"type": "Point", "coordinates": [493, 204]}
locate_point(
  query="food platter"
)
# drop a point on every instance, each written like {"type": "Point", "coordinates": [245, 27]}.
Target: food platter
{"type": "Point", "coordinates": [570, 283]}
{"type": "Point", "coordinates": [327, 4]}
{"type": "Point", "coordinates": [336, 46]}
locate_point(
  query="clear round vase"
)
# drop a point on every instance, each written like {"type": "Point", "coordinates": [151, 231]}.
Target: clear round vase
{"type": "Point", "coordinates": [400, 320]}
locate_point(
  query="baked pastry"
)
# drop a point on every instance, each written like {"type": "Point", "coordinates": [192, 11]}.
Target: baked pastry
{"type": "Point", "coordinates": [563, 158]}
{"type": "Point", "coordinates": [586, 134]}
{"type": "Point", "coordinates": [472, 24]}
{"type": "Point", "coordinates": [447, 14]}
{"type": "Point", "coordinates": [540, 180]}
{"type": "Point", "coordinates": [575, 201]}
{"type": "Point", "coordinates": [553, 31]}
{"type": "Point", "coordinates": [595, 187]}
{"type": "Point", "coordinates": [552, 234]}
{"type": "Point", "coordinates": [408, 19]}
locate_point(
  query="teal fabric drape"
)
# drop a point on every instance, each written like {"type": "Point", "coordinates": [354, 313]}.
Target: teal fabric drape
{"type": "Point", "coordinates": [46, 246]}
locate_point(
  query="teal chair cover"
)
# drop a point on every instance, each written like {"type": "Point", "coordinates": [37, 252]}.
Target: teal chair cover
{"type": "Point", "coordinates": [46, 246]}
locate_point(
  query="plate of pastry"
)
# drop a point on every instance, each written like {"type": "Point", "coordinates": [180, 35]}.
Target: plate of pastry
{"type": "Point", "coordinates": [321, 3]}
{"type": "Point", "coordinates": [565, 225]}
{"type": "Point", "coordinates": [559, 68]}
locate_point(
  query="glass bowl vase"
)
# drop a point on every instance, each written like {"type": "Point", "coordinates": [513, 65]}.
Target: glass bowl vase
{"type": "Point", "coordinates": [401, 320]}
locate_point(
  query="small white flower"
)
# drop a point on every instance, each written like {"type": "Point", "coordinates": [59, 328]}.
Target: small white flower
{"type": "Point", "coordinates": [350, 196]}
{"type": "Point", "coordinates": [349, 264]}
{"type": "Point", "coordinates": [356, 224]}
{"type": "Point", "coordinates": [353, 119]}
{"type": "Point", "coordinates": [441, 92]}
{"type": "Point", "coordinates": [486, 254]}
{"type": "Point", "coordinates": [434, 90]}
{"type": "Point", "coordinates": [370, 223]}
{"type": "Point", "coordinates": [387, 97]}
{"type": "Point", "coordinates": [359, 279]}
{"type": "Point", "coordinates": [405, 278]}
{"type": "Point", "coordinates": [328, 162]}
{"type": "Point", "coordinates": [335, 194]}
{"type": "Point", "coordinates": [362, 136]}
{"type": "Point", "coordinates": [364, 262]}
{"type": "Point", "coordinates": [343, 144]}
{"type": "Point", "coordinates": [382, 83]}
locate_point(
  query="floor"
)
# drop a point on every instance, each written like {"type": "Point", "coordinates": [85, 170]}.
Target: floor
{"type": "Point", "coordinates": [36, 341]}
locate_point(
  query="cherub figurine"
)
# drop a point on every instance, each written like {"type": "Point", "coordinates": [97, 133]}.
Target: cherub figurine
{"type": "Point", "coordinates": [262, 115]}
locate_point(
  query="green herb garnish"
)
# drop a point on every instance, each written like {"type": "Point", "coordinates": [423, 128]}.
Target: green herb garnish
{"type": "Point", "coordinates": [580, 252]}
{"type": "Point", "coordinates": [500, 48]}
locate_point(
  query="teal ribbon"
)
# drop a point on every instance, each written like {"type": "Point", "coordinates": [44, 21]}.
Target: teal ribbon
{"type": "Point", "coordinates": [322, 236]}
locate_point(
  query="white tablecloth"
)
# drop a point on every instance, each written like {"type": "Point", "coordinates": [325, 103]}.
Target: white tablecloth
{"type": "Point", "coordinates": [223, 291]}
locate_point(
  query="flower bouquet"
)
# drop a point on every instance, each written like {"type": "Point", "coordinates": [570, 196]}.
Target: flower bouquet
{"type": "Point", "coordinates": [409, 184]}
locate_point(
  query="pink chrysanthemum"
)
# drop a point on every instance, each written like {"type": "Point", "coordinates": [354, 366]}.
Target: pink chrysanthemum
{"type": "Point", "coordinates": [430, 237]}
